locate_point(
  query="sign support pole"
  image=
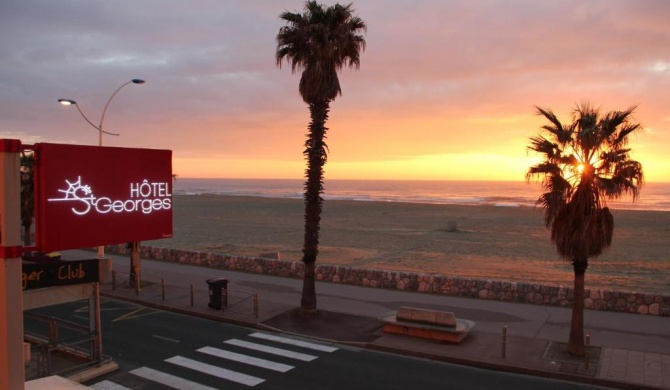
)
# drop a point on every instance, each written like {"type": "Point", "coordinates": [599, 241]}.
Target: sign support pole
{"type": "Point", "coordinates": [95, 323]}
{"type": "Point", "coordinates": [12, 370]}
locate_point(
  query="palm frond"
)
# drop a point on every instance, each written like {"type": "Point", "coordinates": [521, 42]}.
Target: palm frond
{"type": "Point", "coordinates": [319, 42]}
{"type": "Point", "coordinates": [609, 187]}
{"type": "Point", "coordinates": [552, 203]}
{"type": "Point", "coordinates": [543, 169]}
{"type": "Point", "coordinates": [562, 134]}
{"type": "Point", "coordinates": [569, 160]}
{"type": "Point", "coordinates": [608, 160]}
{"type": "Point", "coordinates": [557, 189]}
{"type": "Point", "coordinates": [627, 129]}
{"type": "Point", "coordinates": [547, 113]}
{"type": "Point", "coordinates": [629, 177]}
{"type": "Point", "coordinates": [543, 146]}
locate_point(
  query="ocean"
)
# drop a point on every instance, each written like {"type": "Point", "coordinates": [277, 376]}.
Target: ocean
{"type": "Point", "coordinates": [653, 196]}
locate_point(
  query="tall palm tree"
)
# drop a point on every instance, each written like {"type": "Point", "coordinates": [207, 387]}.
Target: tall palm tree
{"type": "Point", "coordinates": [320, 41]}
{"type": "Point", "coordinates": [584, 163]}
{"type": "Point", "coordinates": [27, 196]}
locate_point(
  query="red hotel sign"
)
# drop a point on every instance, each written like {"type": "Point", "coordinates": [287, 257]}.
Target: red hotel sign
{"type": "Point", "coordinates": [91, 195]}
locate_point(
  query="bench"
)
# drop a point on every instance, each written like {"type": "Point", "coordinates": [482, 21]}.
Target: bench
{"type": "Point", "coordinates": [428, 324]}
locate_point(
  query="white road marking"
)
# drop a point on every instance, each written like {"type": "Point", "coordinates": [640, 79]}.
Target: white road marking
{"type": "Point", "coordinates": [271, 350]}
{"type": "Point", "coordinates": [134, 314]}
{"type": "Point", "coordinates": [165, 338]}
{"type": "Point", "coordinates": [168, 380]}
{"type": "Point", "coordinates": [285, 340]}
{"type": "Point", "coordinates": [215, 371]}
{"type": "Point", "coordinates": [108, 385]}
{"type": "Point", "coordinates": [237, 357]}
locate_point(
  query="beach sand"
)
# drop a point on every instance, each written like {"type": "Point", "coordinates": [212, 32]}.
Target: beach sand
{"type": "Point", "coordinates": [501, 243]}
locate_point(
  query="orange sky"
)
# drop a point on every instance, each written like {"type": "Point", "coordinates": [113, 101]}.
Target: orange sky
{"type": "Point", "coordinates": [446, 90]}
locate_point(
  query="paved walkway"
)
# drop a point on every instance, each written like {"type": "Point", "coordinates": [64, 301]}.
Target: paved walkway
{"type": "Point", "coordinates": [629, 351]}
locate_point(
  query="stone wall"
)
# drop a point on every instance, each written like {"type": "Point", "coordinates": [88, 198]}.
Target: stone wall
{"type": "Point", "coordinates": [630, 302]}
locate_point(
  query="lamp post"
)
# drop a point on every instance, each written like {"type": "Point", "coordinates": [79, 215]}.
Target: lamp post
{"type": "Point", "coordinates": [70, 102]}
{"type": "Point", "coordinates": [94, 300]}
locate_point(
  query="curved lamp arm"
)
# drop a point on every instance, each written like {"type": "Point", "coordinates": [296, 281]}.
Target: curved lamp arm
{"type": "Point", "coordinates": [69, 102]}
{"type": "Point", "coordinates": [104, 111]}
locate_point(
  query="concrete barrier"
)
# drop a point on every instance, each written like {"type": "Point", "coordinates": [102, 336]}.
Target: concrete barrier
{"type": "Point", "coordinates": [595, 299]}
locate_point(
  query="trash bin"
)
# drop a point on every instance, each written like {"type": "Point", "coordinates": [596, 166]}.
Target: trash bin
{"type": "Point", "coordinates": [215, 287]}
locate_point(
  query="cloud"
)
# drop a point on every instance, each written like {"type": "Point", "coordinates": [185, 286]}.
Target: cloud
{"type": "Point", "coordinates": [434, 74]}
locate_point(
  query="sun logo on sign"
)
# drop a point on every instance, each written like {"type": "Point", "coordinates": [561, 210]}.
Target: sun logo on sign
{"type": "Point", "coordinates": [77, 192]}
{"type": "Point", "coordinates": [71, 193]}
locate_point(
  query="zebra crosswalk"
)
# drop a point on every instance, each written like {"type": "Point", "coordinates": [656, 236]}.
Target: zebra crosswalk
{"type": "Point", "coordinates": [216, 361]}
{"type": "Point", "coordinates": [168, 379]}
{"type": "Point", "coordinates": [109, 385]}
{"type": "Point", "coordinates": [238, 357]}
{"type": "Point", "coordinates": [216, 371]}
{"type": "Point", "coordinates": [271, 350]}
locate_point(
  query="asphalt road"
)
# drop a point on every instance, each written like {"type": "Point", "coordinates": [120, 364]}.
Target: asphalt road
{"type": "Point", "coordinates": [159, 350]}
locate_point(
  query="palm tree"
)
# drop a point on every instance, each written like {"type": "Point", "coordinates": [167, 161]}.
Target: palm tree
{"type": "Point", "coordinates": [584, 163]}
{"type": "Point", "coordinates": [27, 196]}
{"type": "Point", "coordinates": [320, 41]}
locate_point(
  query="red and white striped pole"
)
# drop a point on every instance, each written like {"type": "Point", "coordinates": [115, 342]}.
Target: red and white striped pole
{"type": "Point", "coordinates": [12, 370]}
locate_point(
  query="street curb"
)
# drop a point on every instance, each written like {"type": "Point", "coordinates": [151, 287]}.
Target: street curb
{"type": "Point", "coordinates": [94, 372]}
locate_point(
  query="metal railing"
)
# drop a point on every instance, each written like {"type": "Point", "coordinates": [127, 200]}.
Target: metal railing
{"type": "Point", "coordinates": [58, 347]}
{"type": "Point", "coordinates": [235, 301]}
{"type": "Point", "coordinates": [241, 300]}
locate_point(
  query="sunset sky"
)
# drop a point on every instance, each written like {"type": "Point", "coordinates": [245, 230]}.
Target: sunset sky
{"type": "Point", "coordinates": [446, 89]}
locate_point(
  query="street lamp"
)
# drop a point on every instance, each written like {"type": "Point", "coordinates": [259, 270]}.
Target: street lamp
{"type": "Point", "coordinates": [70, 102]}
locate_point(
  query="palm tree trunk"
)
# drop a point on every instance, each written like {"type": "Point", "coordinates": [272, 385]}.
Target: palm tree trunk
{"type": "Point", "coordinates": [576, 340]}
{"type": "Point", "coordinates": [135, 278]}
{"type": "Point", "coordinates": [315, 153]}
{"type": "Point", "coordinates": [27, 240]}
{"type": "Point", "coordinates": [308, 300]}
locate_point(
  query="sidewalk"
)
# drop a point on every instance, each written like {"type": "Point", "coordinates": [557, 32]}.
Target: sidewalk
{"type": "Point", "coordinates": [628, 351]}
